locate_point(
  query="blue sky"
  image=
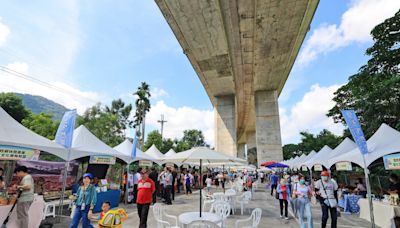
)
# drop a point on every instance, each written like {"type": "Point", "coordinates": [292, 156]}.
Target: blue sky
{"type": "Point", "coordinates": [99, 51]}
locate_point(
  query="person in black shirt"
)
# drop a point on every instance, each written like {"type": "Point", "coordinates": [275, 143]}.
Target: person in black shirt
{"type": "Point", "coordinates": [154, 177]}
{"type": "Point", "coordinates": [394, 186]}
{"type": "Point", "coordinates": [174, 177]}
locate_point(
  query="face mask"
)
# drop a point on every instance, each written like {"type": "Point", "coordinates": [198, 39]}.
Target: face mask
{"type": "Point", "coordinates": [324, 178]}
{"type": "Point", "coordinates": [302, 181]}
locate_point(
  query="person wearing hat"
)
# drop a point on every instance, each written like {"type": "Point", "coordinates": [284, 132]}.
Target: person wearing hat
{"type": "Point", "coordinates": [85, 201]}
{"type": "Point", "coordinates": [326, 192]}
{"type": "Point", "coordinates": [146, 188]}
{"type": "Point", "coordinates": [26, 185]}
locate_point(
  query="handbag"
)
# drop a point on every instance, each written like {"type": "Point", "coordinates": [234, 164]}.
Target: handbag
{"type": "Point", "coordinates": [276, 194]}
{"type": "Point", "coordinates": [294, 196]}
{"type": "Point", "coordinates": [330, 202]}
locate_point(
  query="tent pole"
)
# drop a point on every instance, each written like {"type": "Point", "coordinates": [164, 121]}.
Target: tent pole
{"type": "Point", "coordinates": [127, 184]}
{"type": "Point", "coordinates": [65, 176]}
{"type": "Point", "coordinates": [223, 179]}
{"type": "Point", "coordinates": [201, 186]}
{"type": "Point", "coordinates": [369, 193]}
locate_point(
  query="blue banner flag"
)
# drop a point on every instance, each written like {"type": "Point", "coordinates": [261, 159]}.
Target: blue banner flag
{"type": "Point", "coordinates": [355, 128]}
{"type": "Point", "coordinates": [135, 142]}
{"type": "Point", "coordinates": [66, 128]}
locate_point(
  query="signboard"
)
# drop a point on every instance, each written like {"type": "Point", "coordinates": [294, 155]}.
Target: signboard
{"type": "Point", "coordinates": [169, 164]}
{"type": "Point", "coordinates": [344, 166]}
{"type": "Point", "coordinates": [392, 162]}
{"type": "Point", "coordinates": [304, 168]}
{"type": "Point", "coordinates": [318, 168]}
{"type": "Point", "coordinates": [18, 153]}
{"type": "Point", "coordinates": [145, 163]}
{"type": "Point", "coordinates": [102, 160]}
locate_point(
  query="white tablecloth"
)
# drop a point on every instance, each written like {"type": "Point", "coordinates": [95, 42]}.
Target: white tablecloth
{"type": "Point", "coordinates": [35, 214]}
{"type": "Point", "coordinates": [188, 217]}
{"type": "Point", "coordinates": [383, 213]}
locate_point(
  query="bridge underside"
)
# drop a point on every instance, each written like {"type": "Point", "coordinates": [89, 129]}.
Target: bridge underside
{"type": "Point", "coordinates": [242, 51]}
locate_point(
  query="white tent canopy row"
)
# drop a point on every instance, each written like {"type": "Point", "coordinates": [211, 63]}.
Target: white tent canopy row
{"type": "Point", "coordinates": [385, 141]}
{"type": "Point", "coordinates": [126, 148]}
{"type": "Point", "coordinates": [307, 158]}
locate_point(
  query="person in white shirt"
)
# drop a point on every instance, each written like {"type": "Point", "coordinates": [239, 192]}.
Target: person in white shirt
{"type": "Point", "coordinates": [136, 179]}
{"type": "Point", "coordinates": [262, 177]}
{"type": "Point", "coordinates": [168, 186]}
{"type": "Point", "coordinates": [326, 190]}
{"type": "Point", "coordinates": [209, 184]}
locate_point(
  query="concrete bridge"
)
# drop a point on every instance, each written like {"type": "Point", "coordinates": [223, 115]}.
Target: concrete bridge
{"type": "Point", "coordinates": [242, 51]}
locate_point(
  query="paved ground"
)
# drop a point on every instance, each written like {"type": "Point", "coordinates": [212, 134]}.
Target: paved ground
{"type": "Point", "coordinates": [269, 206]}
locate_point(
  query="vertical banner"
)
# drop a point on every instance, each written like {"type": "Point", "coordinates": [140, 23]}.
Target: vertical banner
{"type": "Point", "coordinates": [134, 147]}
{"type": "Point", "coordinates": [65, 130]}
{"type": "Point", "coordinates": [355, 129]}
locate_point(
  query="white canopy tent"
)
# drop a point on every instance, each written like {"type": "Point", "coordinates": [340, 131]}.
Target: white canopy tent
{"type": "Point", "coordinates": [345, 146]}
{"type": "Point", "coordinates": [125, 148]}
{"type": "Point", "coordinates": [305, 159]}
{"type": "Point", "coordinates": [170, 153]}
{"type": "Point", "coordinates": [291, 162]}
{"type": "Point", "coordinates": [296, 162]}
{"type": "Point", "coordinates": [84, 144]}
{"type": "Point", "coordinates": [155, 153]}
{"type": "Point", "coordinates": [13, 133]}
{"type": "Point", "coordinates": [319, 157]}
{"type": "Point", "coordinates": [386, 140]}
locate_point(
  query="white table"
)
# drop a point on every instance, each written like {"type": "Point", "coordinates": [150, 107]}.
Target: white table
{"type": "Point", "coordinates": [188, 217]}
{"type": "Point", "coordinates": [383, 213]}
{"type": "Point", "coordinates": [35, 213]}
{"type": "Point", "coordinates": [231, 198]}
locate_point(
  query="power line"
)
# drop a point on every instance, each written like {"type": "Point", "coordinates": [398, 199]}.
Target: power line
{"type": "Point", "coordinates": [43, 83]}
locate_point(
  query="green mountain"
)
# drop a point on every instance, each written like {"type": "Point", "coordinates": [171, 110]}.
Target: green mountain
{"type": "Point", "coordinates": [38, 104]}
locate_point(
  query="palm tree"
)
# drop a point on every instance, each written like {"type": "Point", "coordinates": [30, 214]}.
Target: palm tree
{"type": "Point", "coordinates": [142, 107]}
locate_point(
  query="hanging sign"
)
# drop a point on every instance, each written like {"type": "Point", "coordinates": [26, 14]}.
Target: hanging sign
{"type": "Point", "coordinates": [145, 163]}
{"type": "Point", "coordinates": [392, 162]}
{"type": "Point", "coordinates": [102, 160]}
{"type": "Point", "coordinates": [304, 168]}
{"type": "Point", "coordinates": [318, 168]}
{"type": "Point", "coordinates": [18, 153]}
{"type": "Point", "coordinates": [169, 164]}
{"type": "Point", "coordinates": [344, 166]}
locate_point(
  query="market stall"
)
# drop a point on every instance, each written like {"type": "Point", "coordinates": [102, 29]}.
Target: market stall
{"type": "Point", "coordinates": [383, 212]}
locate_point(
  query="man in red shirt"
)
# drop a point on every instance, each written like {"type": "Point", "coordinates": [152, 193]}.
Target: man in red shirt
{"type": "Point", "coordinates": [146, 187]}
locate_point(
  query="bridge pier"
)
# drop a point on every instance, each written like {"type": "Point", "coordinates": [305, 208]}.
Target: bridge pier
{"type": "Point", "coordinates": [225, 124]}
{"type": "Point", "coordinates": [241, 150]}
{"type": "Point", "coordinates": [268, 133]}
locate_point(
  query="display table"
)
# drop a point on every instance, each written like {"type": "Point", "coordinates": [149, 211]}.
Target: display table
{"type": "Point", "coordinates": [188, 217]}
{"type": "Point", "coordinates": [350, 203]}
{"type": "Point", "coordinates": [383, 213]}
{"type": "Point", "coordinates": [35, 214]}
{"type": "Point", "coordinates": [112, 196]}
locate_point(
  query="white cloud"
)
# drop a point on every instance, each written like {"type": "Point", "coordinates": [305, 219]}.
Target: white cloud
{"type": "Point", "coordinates": [309, 114]}
{"type": "Point", "coordinates": [157, 93]}
{"type": "Point", "coordinates": [180, 119]}
{"type": "Point", "coordinates": [355, 27]}
{"type": "Point", "coordinates": [63, 93]}
{"type": "Point", "coordinates": [4, 33]}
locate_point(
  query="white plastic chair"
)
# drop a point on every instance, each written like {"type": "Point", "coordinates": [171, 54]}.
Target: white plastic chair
{"type": "Point", "coordinates": [49, 210]}
{"type": "Point", "coordinates": [243, 200]}
{"type": "Point", "coordinates": [230, 191]}
{"type": "Point", "coordinates": [203, 224]}
{"type": "Point", "coordinates": [223, 209]}
{"type": "Point", "coordinates": [232, 198]}
{"type": "Point", "coordinates": [207, 199]}
{"type": "Point", "coordinates": [218, 198]}
{"type": "Point", "coordinates": [254, 220]}
{"type": "Point", "coordinates": [160, 215]}
{"type": "Point", "coordinates": [255, 186]}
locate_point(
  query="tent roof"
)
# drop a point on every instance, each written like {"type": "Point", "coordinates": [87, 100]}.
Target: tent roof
{"type": "Point", "coordinates": [204, 153]}
{"type": "Point", "coordinates": [155, 153]}
{"type": "Point", "coordinates": [305, 159]}
{"type": "Point", "coordinates": [345, 146]}
{"type": "Point", "coordinates": [386, 140]}
{"type": "Point", "coordinates": [296, 162]}
{"type": "Point", "coordinates": [319, 157]}
{"type": "Point", "coordinates": [126, 148]}
{"type": "Point", "coordinates": [13, 133]}
{"type": "Point", "coordinates": [170, 152]}
{"type": "Point", "coordinates": [84, 144]}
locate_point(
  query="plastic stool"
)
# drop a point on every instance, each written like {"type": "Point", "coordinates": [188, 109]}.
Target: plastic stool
{"type": "Point", "coordinates": [49, 210]}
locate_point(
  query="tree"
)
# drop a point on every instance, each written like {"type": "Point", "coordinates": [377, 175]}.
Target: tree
{"type": "Point", "coordinates": [142, 107]}
{"type": "Point", "coordinates": [154, 137]}
{"type": "Point", "coordinates": [374, 92]}
{"type": "Point", "coordinates": [12, 104]}
{"type": "Point", "coordinates": [42, 124]}
{"type": "Point", "coordinates": [191, 138]}
{"type": "Point", "coordinates": [290, 150]}
{"type": "Point", "coordinates": [107, 123]}
{"type": "Point", "coordinates": [167, 145]}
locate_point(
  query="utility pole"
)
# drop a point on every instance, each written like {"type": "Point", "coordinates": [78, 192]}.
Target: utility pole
{"type": "Point", "coordinates": [162, 121]}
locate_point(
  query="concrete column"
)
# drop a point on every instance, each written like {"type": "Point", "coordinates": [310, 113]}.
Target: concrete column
{"type": "Point", "coordinates": [268, 132]}
{"type": "Point", "coordinates": [241, 150]}
{"type": "Point", "coordinates": [251, 147]}
{"type": "Point", "coordinates": [225, 124]}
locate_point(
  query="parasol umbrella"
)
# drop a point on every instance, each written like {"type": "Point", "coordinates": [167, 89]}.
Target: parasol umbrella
{"type": "Point", "coordinates": [204, 156]}
{"type": "Point", "coordinates": [268, 163]}
{"type": "Point", "coordinates": [277, 165]}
